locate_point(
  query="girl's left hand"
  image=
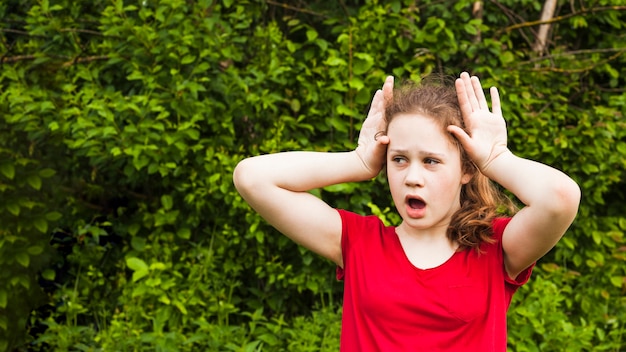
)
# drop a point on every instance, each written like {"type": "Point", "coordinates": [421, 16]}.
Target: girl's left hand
{"type": "Point", "coordinates": [486, 137]}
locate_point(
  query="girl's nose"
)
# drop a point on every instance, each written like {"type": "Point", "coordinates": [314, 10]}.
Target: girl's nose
{"type": "Point", "coordinates": [414, 176]}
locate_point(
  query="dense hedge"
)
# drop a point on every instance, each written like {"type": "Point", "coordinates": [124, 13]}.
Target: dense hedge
{"type": "Point", "coordinates": [121, 123]}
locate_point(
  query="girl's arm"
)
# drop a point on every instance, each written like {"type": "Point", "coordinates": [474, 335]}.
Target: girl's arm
{"type": "Point", "coordinates": [551, 198]}
{"type": "Point", "coordinates": [277, 185]}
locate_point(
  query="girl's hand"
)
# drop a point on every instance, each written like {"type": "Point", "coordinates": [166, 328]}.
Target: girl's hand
{"type": "Point", "coordinates": [486, 138]}
{"type": "Point", "coordinates": [372, 143]}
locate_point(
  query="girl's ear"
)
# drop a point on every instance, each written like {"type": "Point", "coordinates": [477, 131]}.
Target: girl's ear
{"type": "Point", "coordinates": [469, 170]}
{"type": "Point", "coordinates": [466, 178]}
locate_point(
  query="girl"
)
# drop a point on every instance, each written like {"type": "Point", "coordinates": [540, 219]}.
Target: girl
{"type": "Point", "coordinates": [443, 278]}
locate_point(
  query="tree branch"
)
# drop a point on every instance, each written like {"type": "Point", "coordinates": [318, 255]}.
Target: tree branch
{"type": "Point", "coordinates": [9, 59]}
{"type": "Point", "coordinates": [579, 70]}
{"type": "Point", "coordinates": [79, 60]}
{"type": "Point", "coordinates": [297, 9]}
{"type": "Point", "coordinates": [563, 17]}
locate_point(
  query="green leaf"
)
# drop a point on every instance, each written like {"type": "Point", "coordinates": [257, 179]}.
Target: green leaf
{"type": "Point", "coordinates": [618, 281]}
{"type": "Point", "coordinates": [8, 170]}
{"type": "Point", "coordinates": [180, 307]}
{"type": "Point", "coordinates": [138, 243]}
{"type": "Point", "coordinates": [4, 325]}
{"type": "Point", "coordinates": [139, 274]}
{"type": "Point", "coordinates": [133, 229]}
{"type": "Point", "coordinates": [41, 225]}
{"type": "Point", "coordinates": [506, 58]}
{"type": "Point", "coordinates": [188, 59]}
{"type": "Point", "coordinates": [167, 202]}
{"type": "Point", "coordinates": [23, 259]}
{"type": "Point", "coordinates": [311, 35]}
{"type": "Point", "coordinates": [46, 173]}
{"type": "Point", "coordinates": [35, 250]}
{"type": "Point", "coordinates": [53, 216]}
{"type": "Point", "coordinates": [184, 233]}
{"type": "Point", "coordinates": [48, 274]}
{"type": "Point", "coordinates": [3, 298]}
{"type": "Point", "coordinates": [136, 264]}
{"type": "Point", "coordinates": [13, 208]}
{"type": "Point", "coordinates": [34, 181]}
{"type": "Point", "coordinates": [470, 29]}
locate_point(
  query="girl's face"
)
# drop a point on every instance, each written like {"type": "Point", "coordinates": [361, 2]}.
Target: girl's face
{"type": "Point", "coordinates": [424, 172]}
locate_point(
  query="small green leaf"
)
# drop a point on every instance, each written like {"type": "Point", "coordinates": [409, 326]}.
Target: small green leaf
{"type": "Point", "coordinates": [133, 229]}
{"type": "Point", "coordinates": [13, 208]}
{"type": "Point", "coordinates": [184, 233]}
{"type": "Point", "coordinates": [180, 307]}
{"type": "Point", "coordinates": [41, 225]}
{"type": "Point", "coordinates": [23, 259]}
{"type": "Point", "coordinates": [3, 298]}
{"type": "Point", "coordinates": [311, 34]}
{"type": "Point", "coordinates": [137, 275]}
{"type": "Point", "coordinates": [4, 346]}
{"type": "Point", "coordinates": [618, 281]}
{"type": "Point", "coordinates": [8, 170]}
{"type": "Point", "coordinates": [53, 216]}
{"type": "Point", "coordinates": [35, 250]}
{"type": "Point", "coordinates": [34, 181]}
{"type": "Point", "coordinates": [136, 264]}
{"type": "Point", "coordinates": [138, 243]}
{"type": "Point", "coordinates": [167, 202]}
{"type": "Point", "coordinates": [188, 59]}
{"type": "Point", "coordinates": [46, 173]}
{"type": "Point", "coordinates": [48, 274]}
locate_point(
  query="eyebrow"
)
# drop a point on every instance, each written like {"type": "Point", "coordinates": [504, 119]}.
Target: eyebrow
{"type": "Point", "coordinates": [422, 153]}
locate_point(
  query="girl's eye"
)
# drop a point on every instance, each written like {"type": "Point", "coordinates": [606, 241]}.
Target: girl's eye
{"type": "Point", "coordinates": [430, 161]}
{"type": "Point", "coordinates": [398, 159]}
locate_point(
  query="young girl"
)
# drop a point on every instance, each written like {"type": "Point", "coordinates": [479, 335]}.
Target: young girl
{"type": "Point", "coordinates": [443, 278]}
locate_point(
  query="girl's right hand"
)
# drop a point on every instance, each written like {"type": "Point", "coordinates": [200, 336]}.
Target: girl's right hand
{"type": "Point", "coordinates": [372, 143]}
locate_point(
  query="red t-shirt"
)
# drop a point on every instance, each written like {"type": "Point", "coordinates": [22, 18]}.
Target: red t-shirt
{"type": "Point", "coordinates": [390, 305]}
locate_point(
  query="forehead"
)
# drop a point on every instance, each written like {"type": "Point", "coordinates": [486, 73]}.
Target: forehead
{"type": "Point", "coordinates": [410, 131]}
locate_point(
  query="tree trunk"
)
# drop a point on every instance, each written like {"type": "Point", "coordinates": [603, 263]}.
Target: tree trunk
{"type": "Point", "coordinates": [542, 36]}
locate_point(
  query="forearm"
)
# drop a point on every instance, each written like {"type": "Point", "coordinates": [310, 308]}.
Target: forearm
{"type": "Point", "coordinates": [301, 171]}
{"type": "Point", "coordinates": [535, 184]}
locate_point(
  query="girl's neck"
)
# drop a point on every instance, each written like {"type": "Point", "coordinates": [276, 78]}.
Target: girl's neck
{"type": "Point", "coordinates": [426, 248]}
{"type": "Point", "coordinates": [429, 235]}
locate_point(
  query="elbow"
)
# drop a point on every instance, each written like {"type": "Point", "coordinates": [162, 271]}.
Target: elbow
{"type": "Point", "coordinates": [241, 177]}
{"type": "Point", "coordinates": [567, 196]}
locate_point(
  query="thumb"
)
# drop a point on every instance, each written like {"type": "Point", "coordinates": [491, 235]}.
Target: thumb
{"type": "Point", "coordinates": [460, 135]}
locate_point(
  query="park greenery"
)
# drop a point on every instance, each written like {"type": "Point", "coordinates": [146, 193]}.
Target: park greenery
{"type": "Point", "coordinates": [122, 121]}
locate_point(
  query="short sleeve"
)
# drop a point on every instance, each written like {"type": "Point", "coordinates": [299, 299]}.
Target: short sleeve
{"type": "Point", "coordinates": [355, 229]}
{"type": "Point", "coordinates": [340, 272]}
{"type": "Point", "coordinates": [499, 225]}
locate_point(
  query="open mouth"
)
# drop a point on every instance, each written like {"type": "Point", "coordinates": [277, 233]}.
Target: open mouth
{"type": "Point", "coordinates": [415, 203]}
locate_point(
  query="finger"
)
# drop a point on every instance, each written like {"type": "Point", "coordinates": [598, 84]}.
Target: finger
{"type": "Point", "coordinates": [479, 93]}
{"type": "Point", "coordinates": [383, 140]}
{"type": "Point", "coordinates": [495, 101]}
{"type": "Point", "coordinates": [388, 89]}
{"type": "Point", "coordinates": [461, 93]}
{"type": "Point", "coordinates": [460, 135]}
{"type": "Point", "coordinates": [470, 91]}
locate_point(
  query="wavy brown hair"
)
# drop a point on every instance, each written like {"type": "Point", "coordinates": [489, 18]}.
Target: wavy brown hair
{"type": "Point", "coordinates": [481, 199]}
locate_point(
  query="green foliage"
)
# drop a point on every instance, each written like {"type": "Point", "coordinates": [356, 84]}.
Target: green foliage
{"type": "Point", "coordinates": [123, 121]}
